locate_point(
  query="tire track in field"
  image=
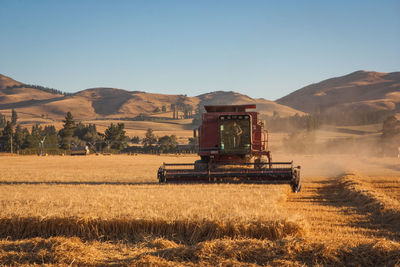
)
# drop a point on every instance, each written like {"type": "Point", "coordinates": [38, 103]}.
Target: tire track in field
{"type": "Point", "coordinates": [332, 216]}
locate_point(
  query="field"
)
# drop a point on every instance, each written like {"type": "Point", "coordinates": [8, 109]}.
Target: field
{"type": "Point", "coordinates": [109, 210]}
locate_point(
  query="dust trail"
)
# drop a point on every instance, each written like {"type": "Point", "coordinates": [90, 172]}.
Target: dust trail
{"type": "Point", "coordinates": [325, 166]}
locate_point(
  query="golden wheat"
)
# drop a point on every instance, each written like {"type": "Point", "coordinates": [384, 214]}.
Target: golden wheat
{"type": "Point", "coordinates": [92, 168]}
{"type": "Point", "coordinates": [213, 201]}
{"type": "Point", "coordinates": [102, 210]}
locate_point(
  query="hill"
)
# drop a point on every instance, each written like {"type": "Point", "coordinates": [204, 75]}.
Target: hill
{"type": "Point", "coordinates": [15, 94]}
{"type": "Point", "coordinates": [358, 92]}
{"type": "Point", "coordinates": [35, 103]}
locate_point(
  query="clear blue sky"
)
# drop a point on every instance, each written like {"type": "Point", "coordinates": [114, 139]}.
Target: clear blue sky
{"type": "Point", "coordinates": [260, 48]}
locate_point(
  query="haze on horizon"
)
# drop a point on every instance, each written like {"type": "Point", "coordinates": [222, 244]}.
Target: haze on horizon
{"type": "Point", "coordinates": [260, 48]}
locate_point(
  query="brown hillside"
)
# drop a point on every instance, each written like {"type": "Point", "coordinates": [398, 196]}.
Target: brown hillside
{"type": "Point", "coordinates": [7, 81]}
{"type": "Point", "coordinates": [22, 97]}
{"type": "Point", "coordinates": [146, 103]}
{"type": "Point", "coordinates": [360, 91]}
{"type": "Point", "coordinates": [117, 103]}
{"type": "Point", "coordinates": [110, 103]}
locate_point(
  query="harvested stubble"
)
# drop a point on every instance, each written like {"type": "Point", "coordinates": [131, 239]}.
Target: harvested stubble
{"type": "Point", "coordinates": [185, 231]}
{"type": "Point", "coordinates": [371, 200]}
{"type": "Point", "coordinates": [232, 252]}
{"type": "Point", "coordinates": [388, 186]}
{"type": "Point", "coordinates": [288, 251]}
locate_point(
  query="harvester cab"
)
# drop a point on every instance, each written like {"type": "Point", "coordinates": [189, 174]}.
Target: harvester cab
{"type": "Point", "coordinates": [233, 147]}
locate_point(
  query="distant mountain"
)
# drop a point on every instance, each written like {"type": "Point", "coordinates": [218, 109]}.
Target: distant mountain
{"type": "Point", "coordinates": [112, 103]}
{"type": "Point", "coordinates": [360, 92]}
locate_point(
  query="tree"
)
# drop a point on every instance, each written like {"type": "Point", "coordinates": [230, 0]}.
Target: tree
{"type": "Point", "coordinates": [3, 120]}
{"type": "Point", "coordinates": [167, 143]}
{"type": "Point", "coordinates": [187, 111]}
{"type": "Point", "coordinates": [156, 110]}
{"type": "Point", "coordinates": [163, 108]}
{"type": "Point", "coordinates": [115, 135]}
{"type": "Point", "coordinates": [149, 140]}
{"type": "Point", "coordinates": [135, 140]}
{"type": "Point", "coordinates": [67, 131]}
{"type": "Point", "coordinates": [6, 139]}
{"type": "Point", "coordinates": [193, 141]}
{"type": "Point", "coordinates": [88, 134]}
{"type": "Point", "coordinates": [14, 117]}
{"type": "Point", "coordinates": [173, 109]}
{"type": "Point", "coordinates": [33, 139]}
{"type": "Point", "coordinates": [49, 134]}
{"type": "Point", "coordinates": [19, 137]}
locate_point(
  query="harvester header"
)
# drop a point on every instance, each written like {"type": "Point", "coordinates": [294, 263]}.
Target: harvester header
{"type": "Point", "coordinates": [233, 147]}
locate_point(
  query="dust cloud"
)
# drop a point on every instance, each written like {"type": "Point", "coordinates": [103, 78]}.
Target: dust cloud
{"type": "Point", "coordinates": [333, 165]}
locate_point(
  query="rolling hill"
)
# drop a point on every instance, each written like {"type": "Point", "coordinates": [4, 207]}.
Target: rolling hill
{"type": "Point", "coordinates": [356, 93]}
{"type": "Point", "coordinates": [360, 91]}
{"type": "Point", "coordinates": [33, 103]}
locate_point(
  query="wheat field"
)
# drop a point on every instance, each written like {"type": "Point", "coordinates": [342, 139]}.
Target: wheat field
{"type": "Point", "coordinates": [110, 210]}
{"type": "Point", "coordinates": [91, 169]}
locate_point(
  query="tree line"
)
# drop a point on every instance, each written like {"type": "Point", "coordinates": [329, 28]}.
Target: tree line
{"type": "Point", "coordinates": [164, 144]}
{"type": "Point", "coordinates": [41, 88]}
{"type": "Point", "coordinates": [16, 139]}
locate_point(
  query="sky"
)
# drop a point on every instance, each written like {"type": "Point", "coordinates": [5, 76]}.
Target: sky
{"type": "Point", "coordinates": [264, 49]}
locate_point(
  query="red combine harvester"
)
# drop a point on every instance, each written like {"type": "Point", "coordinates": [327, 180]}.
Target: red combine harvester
{"type": "Point", "coordinates": [233, 147]}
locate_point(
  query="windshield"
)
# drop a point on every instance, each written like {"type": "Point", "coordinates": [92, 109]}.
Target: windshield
{"type": "Point", "coordinates": [235, 134]}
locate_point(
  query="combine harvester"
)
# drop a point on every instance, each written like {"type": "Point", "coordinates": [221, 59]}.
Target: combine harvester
{"type": "Point", "coordinates": [233, 147]}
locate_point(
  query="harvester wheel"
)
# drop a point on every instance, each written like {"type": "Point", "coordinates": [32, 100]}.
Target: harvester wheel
{"type": "Point", "coordinates": [200, 165]}
{"type": "Point", "coordinates": [161, 175]}
{"type": "Point", "coordinates": [296, 184]}
{"type": "Point", "coordinates": [296, 188]}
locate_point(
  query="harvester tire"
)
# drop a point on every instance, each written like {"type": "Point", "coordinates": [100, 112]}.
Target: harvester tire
{"type": "Point", "coordinates": [161, 175]}
{"type": "Point", "coordinates": [296, 188]}
{"type": "Point", "coordinates": [200, 165]}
